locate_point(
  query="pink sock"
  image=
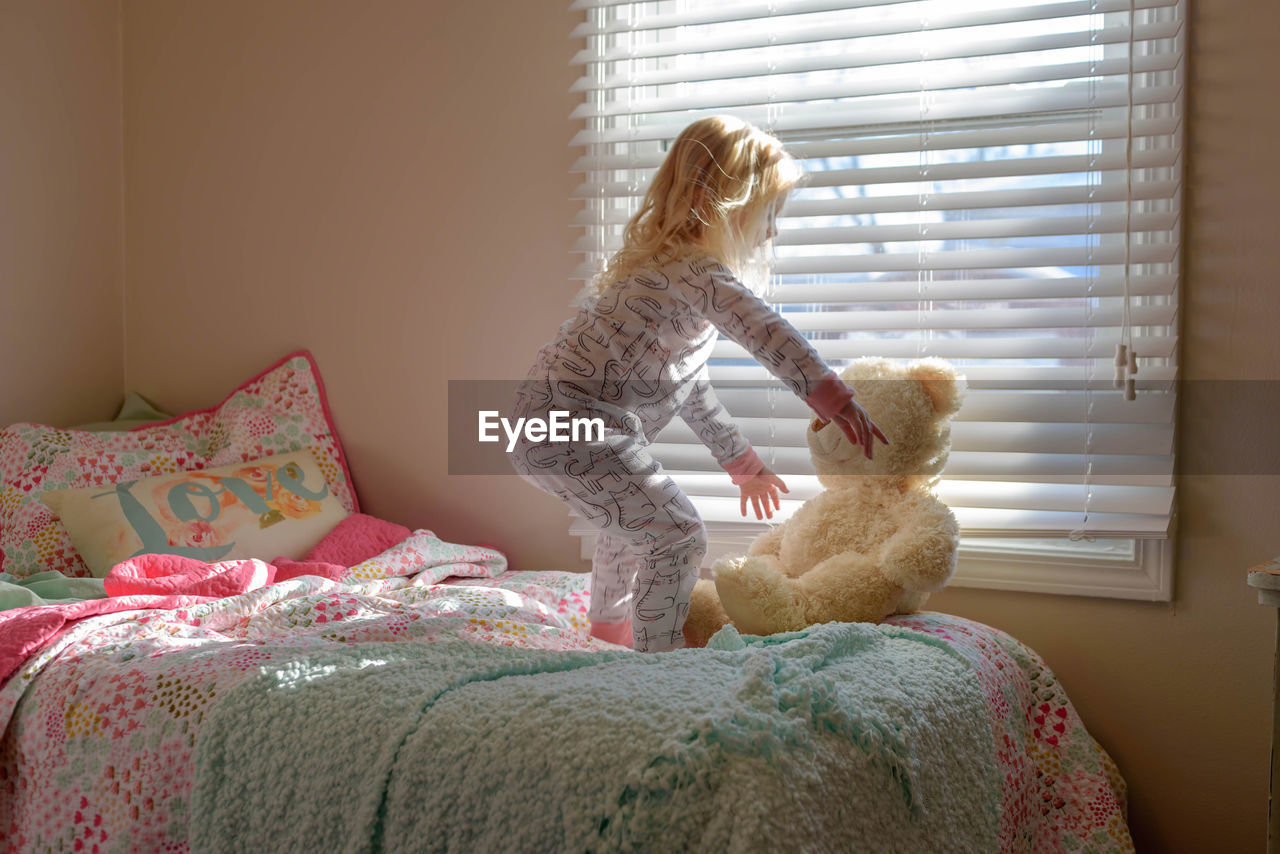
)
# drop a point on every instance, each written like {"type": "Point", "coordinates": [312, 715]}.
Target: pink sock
{"type": "Point", "coordinates": [619, 633]}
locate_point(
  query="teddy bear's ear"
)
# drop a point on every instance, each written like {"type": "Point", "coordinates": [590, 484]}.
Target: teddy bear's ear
{"type": "Point", "coordinates": [942, 383]}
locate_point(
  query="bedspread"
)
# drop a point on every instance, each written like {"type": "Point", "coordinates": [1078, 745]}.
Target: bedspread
{"type": "Point", "coordinates": [103, 727]}
{"type": "Point", "coordinates": [841, 738]}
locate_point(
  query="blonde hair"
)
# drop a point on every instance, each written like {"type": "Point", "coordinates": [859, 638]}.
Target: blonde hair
{"type": "Point", "coordinates": [718, 180]}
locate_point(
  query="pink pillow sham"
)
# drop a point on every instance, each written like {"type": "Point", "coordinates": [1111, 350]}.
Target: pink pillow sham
{"type": "Point", "coordinates": [282, 409]}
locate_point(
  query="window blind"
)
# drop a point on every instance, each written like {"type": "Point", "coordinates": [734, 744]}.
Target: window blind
{"type": "Point", "coordinates": [993, 183]}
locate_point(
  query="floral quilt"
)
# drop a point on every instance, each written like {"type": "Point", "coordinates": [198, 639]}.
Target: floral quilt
{"type": "Point", "coordinates": [101, 723]}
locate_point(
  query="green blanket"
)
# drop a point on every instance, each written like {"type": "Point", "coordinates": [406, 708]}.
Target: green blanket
{"type": "Point", "coordinates": [47, 588]}
{"type": "Point", "coordinates": [844, 737]}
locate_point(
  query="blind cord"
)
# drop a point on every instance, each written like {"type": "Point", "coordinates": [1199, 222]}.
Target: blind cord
{"type": "Point", "coordinates": [1126, 361]}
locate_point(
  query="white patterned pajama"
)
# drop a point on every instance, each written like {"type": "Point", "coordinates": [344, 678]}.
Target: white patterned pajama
{"type": "Point", "coordinates": [634, 357]}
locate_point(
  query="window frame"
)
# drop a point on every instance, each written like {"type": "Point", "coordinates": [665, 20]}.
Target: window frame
{"type": "Point", "coordinates": [1147, 575]}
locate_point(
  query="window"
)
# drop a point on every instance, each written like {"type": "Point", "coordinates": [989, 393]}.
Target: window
{"type": "Point", "coordinates": [997, 184]}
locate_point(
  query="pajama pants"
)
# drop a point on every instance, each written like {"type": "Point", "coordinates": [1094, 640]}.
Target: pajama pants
{"type": "Point", "coordinates": [651, 539]}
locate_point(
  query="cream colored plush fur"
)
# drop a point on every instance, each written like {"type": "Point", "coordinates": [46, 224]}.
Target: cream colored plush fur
{"type": "Point", "coordinates": [876, 542]}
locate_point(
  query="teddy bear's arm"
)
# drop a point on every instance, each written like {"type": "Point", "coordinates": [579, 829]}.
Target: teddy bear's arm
{"type": "Point", "coordinates": [921, 556]}
{"type": "Point", "coordinates": [768, 543]}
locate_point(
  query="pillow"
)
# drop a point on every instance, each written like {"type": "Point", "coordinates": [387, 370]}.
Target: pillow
{"type": "Point", "coordinates": [279, 505]}
{"type": "Point", "coordinates": [357, 539]}
{"type": "Point", "coordinates": [136, 411]}
{"type": "Point", "coordinates": [282, 409]}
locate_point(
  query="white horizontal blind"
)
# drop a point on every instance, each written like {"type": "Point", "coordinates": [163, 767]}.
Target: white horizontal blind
{"type": "Point", "coordinates": [994, 183]}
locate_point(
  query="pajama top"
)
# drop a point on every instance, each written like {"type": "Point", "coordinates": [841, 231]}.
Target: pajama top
{"type": "Point", "coordinates": [642, 347]}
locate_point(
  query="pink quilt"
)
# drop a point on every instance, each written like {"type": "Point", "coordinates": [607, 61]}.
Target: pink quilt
{"type": "Point", "coordinates": [102, 711]}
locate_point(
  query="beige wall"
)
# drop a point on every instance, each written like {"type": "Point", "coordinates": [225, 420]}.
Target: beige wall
{"type": "Point", "coordinates": [61, 342]}
{"type": "Point", "coordinates": [385, 184]}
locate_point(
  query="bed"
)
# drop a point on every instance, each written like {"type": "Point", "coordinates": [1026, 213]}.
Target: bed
{"type": "Point", "coordinates": [387, 690]}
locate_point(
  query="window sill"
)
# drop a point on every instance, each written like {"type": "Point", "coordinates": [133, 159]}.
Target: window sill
{"type": "Point", "coordinates": [1146, 575]}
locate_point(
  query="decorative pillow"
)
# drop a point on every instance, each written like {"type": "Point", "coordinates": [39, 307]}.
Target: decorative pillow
{"type": "Point", "coordinates": [358, 538]}
{"type": "Point", "coordinates": [282, 409]}
{"type": "Point", "coordinates": [279, 505]}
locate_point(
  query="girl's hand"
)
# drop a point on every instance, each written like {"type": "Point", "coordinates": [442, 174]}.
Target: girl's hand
{"type": "Point", "coordinates": [764, 485]}
{"type": "Point", "coordinates": [858, 427]}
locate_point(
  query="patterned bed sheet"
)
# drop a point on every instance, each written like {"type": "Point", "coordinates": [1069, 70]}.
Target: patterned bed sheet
{"type": "Point", "coordinates": [100, 726]}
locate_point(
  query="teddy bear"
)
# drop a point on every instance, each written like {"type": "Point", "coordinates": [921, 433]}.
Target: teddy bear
{"type": "Point", "coordinates": [876, 541]}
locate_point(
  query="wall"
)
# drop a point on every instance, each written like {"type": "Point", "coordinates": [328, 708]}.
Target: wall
{"type": "Point", "coordinates": [61, 252]}
{"type": "Point", "coordinates": [388, 188]}
{"type": "Point", "coordinates": [383, 183]}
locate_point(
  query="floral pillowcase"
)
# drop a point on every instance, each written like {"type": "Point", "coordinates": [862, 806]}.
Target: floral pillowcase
{"type": "Point", "coordinates": [280, 411]}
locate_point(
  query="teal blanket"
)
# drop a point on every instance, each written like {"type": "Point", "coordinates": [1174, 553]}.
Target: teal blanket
{"type": "Point", "coordinates": [843, 737]}
{"type": "Point", "coordinates": [47, 588]}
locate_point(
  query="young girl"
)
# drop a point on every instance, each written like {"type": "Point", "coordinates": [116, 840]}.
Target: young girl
{"type": "Point", "coordinates": [636, 354]}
